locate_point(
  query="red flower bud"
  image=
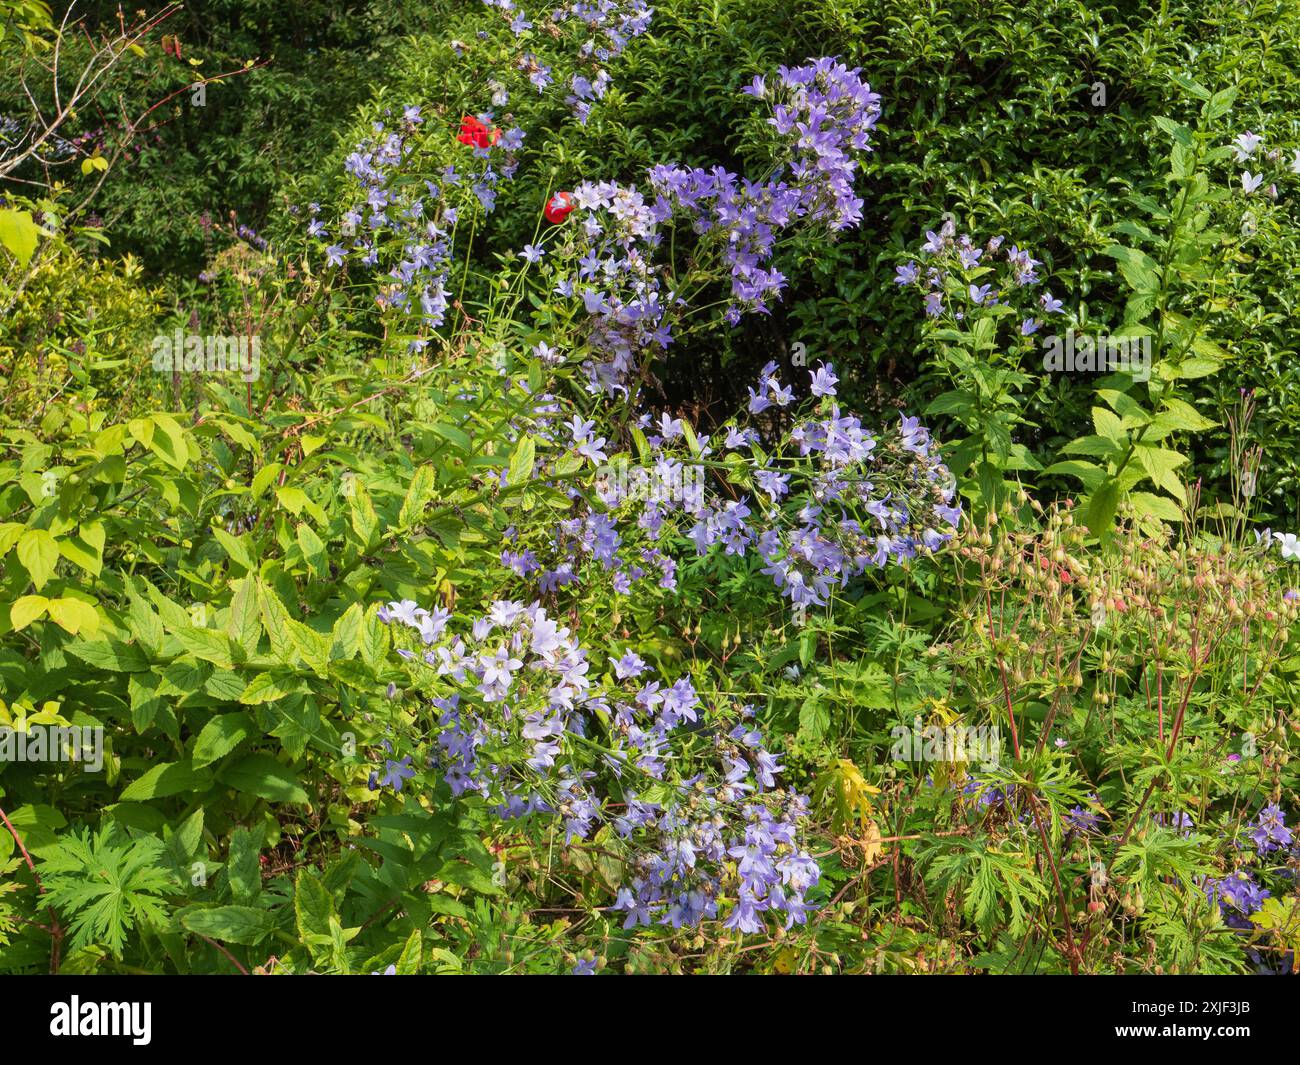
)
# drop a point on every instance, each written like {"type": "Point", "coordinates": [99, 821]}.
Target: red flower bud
{"type": "Point", "coordinates": [558, 208]}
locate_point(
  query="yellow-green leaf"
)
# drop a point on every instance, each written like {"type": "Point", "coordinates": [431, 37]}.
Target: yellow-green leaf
{"type": "Point", "coordinates": [38, 551]}
{"type": "Point", "coordinates": [75, 615]}
{"type": "Point", "coordinates": [27, 610]}
{"type": "Point", "coordinates": [19, 233]}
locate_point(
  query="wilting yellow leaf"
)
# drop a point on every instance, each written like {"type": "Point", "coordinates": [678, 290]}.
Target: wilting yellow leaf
{"type": "Point", "coordinates": [845, 794]}
{"type": "Point", "coordinates": [870, 842]}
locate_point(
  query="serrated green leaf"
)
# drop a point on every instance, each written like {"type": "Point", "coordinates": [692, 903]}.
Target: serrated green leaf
{"type": "Point", "coordinates": [417, 498]}
{"type": "Point", "coordinates": [243, 867]}
{"type": "Point", "coordinates": [408, 964]}
{"type": "Point", "coordinates": [345, 638]}
{"type": "Point", "coordinates": [235, 549]}
{"type": "Point", "coordinates": [313, 550]}
{"type": "Point", "coordinates": [244, 625]}
{"type": "Point", "coordinates": [230, 924]}
{"type": "Point", "coordinates": [521, 461]}
{"type": "Point", "coordinates": [222, 735]}
{"type": "Point", "coordinates": [111, 655]}
{"type": "Point", "coordinates": [268, 687]}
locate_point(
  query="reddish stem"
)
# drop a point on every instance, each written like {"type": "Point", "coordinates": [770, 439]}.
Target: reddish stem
{"type": "Point", "coordinates": [55, 929]}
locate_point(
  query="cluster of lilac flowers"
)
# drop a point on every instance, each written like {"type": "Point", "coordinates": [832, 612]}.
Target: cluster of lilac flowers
{"type": "Point", "coordinates": [987, 794]}
{"type": "Point", "coordinates": [611, 247]}
{"type": "Point", "coordinates": [408, 226]}
{"type": "Point", "coordinates": [950, 270]}
{"type": "Point", "coordinates": [829, 112]}
{"type": "Point", "coordinates": [590, 536]}
{"type": "Point", "coordinates": [864, 500]}
{"type": "Point", "coordinates": [525, 723]}
{"type": "Point", "coordinates": [603, 27]}
{"type": "Point", "coordinates": [251, 236]}
{"type": "Point", "coordinates": [1269, 832]}
{"type": "Point", "coordinates": [1240, 894]}
{"type": "Point", "coordinates": [825, 113]}
{"type": "Point", "coordinates": [1084, 820]}
{"type": "Point", "coordinates": [678, 881]}
{"type": "Point", "coordinates": [818, 508]}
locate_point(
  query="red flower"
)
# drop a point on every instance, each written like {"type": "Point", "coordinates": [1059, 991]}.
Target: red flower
{"type": "Point", "coordinates": [474, 132]}
{"type": "Point", "coordinates": [558, 208]}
